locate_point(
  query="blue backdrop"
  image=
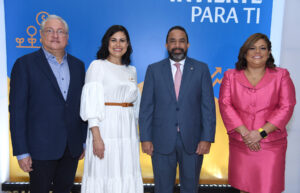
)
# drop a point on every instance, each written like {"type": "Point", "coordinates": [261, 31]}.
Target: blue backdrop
{"type": "Point", "coordinates": [216, 28]}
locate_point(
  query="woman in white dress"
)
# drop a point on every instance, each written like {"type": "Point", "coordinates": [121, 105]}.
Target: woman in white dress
{"type": "Point", "coordinates": [110, 103]}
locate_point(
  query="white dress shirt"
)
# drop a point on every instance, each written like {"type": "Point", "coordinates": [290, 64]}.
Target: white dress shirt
{"type": "Point", "coordinates": [174, 69]}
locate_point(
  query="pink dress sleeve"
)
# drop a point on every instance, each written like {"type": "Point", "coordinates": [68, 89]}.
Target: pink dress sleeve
{"type": "Point", "coordinates": [228, 112]}
{"type": "Point", "coordinates": [287, 100]}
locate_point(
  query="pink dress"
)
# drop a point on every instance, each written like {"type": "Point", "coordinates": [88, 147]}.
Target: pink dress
{"type": "Point", "coordinates": [271, 100]}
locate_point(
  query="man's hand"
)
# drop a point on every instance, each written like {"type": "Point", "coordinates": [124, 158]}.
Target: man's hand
{"type": "Point", "coordinates": [82, 155]}
{"type": "Point", "coordinates": [203, 147]}
{"type": "Point", "coordinates": [26, 164]}
{"type": "Point", "coordinates": [147, 147]}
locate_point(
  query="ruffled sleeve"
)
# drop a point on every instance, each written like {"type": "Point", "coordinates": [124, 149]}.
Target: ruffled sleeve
{"type": "Point", "coordinates": [92, 108]}
{"type": "Point", "coordinates": [136, 104]}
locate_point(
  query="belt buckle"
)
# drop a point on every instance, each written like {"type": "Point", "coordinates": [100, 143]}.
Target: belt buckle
{"type": "Point", "coordinates": [125, 105]}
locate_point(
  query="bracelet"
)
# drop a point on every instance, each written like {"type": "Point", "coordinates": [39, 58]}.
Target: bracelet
{"type": "Point", "coordinates": [262, 133]}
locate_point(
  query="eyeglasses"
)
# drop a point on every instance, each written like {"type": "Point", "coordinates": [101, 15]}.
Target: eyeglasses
{"type": "Point", "coordinates": [59, 32]}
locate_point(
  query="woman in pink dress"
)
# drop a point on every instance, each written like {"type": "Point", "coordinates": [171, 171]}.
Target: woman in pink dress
{"type": "Point", "coordinates": [256, 102]}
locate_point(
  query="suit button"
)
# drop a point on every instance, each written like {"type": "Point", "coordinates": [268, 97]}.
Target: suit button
{"type": "Point", "coordinates": [251, 90]}
{"type": "Point", "coordinates": [176, 124]}
{"type": "Point", "coordinates": [177, 109]}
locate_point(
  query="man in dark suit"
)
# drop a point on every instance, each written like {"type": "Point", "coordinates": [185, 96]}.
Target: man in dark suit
{"type": "Point", "coordinates": [46, 130]}
{"type": "Point", "coordinates": [177, 115]}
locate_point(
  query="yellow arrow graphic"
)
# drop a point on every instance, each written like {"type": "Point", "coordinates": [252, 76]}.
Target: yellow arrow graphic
{"type": "Point", "coordinates": [217, 81]}
{"type": "Point", "coordinates": [218, 70]}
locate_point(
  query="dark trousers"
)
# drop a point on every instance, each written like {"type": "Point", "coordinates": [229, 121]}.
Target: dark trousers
{"type": "Point", "coordinates": [164, 169]}
{"type": "Point", "coordinates": [60, 173]}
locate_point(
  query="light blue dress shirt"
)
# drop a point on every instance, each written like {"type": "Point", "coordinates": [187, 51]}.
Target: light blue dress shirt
{"type": "Point", "coordinates": [61, 72]}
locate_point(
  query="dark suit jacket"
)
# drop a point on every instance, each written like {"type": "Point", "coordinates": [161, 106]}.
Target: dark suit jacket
{"type": "Point", "coordinates": [42, 123]}
{"type": "Point", "coordinates": [161, 113]}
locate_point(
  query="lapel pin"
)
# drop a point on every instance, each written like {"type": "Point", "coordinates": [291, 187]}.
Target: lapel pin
{"type": "Point", "coordinates": [192, 68]}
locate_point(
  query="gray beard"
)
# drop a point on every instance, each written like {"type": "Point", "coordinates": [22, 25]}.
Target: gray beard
{"type": "Point", "coordinates": [176, 57]}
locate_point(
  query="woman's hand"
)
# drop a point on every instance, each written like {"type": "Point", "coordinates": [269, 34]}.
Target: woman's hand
{"type": "Point", "coordinates": [254, 146]}
{"type": "Point", "coordinates": [98, 148]}
{"type": "Point", "coordinates": [252, 140]}
{"type": "Point", "coordinates": [253, 136]}
{"type": "Point", "coordinates": [98, 144]}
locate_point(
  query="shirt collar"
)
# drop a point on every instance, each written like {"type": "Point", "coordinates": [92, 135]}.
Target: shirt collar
{"type": "Point", "coordinates": [181, 62]}
{"type": "Point", "coordinates": [50, 56]}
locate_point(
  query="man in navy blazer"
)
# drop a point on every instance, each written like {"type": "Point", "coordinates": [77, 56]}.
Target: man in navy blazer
{"type": "Point", "coordinates": [46, 130]}
{"type": "Point", "coordinates": [177, 128]}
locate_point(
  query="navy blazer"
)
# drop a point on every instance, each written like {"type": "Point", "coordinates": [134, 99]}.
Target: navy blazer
{"type": "Point", "coordinates": [42, 123]}
{"type": "Point", "coordinates": [161, 113]}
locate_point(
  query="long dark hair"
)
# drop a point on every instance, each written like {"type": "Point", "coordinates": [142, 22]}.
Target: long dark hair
{"type": "Point", "coordinates": [241, 64]}
{"type": "Point", "coordinates": [103, 52]}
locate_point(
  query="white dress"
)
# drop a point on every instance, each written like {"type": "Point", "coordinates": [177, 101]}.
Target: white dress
{"type": "Point", "coordinates": [119, 171]}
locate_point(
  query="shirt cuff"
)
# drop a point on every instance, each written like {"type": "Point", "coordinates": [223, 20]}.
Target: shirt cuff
{"type": "Point", "coordinates": [93, 123]}
{"type": "Point", "coordinates": [22, 156]}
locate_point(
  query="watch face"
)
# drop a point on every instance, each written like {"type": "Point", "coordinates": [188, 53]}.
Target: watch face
{"type": "Point", "coordinates": [263, 134]}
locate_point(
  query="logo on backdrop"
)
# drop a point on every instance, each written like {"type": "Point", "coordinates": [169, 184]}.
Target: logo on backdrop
{"type": "Point", "coordinates": [32, 32]}
{"type": "Point", "coordinates": [224, 11]}
{"type": "Point", "coordinates": [216, 80]}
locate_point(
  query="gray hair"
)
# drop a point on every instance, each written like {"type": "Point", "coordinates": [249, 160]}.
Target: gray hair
{"type": "Point", "coordinates": [54, 17]}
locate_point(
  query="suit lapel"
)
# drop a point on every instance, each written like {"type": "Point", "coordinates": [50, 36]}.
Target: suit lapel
{"type": "Point", "coordinates": [72, 78]}
{"type": "Point", "coordinates": [46, 69]}
{"type": "Point", "coordinates": [266, 79]}
{"type": "Point", "coordinates": [167, 74]}
{"type": "Point", "coordinates": [186, 76]}
{"type": "Point", "coordinates": [241, 78]}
